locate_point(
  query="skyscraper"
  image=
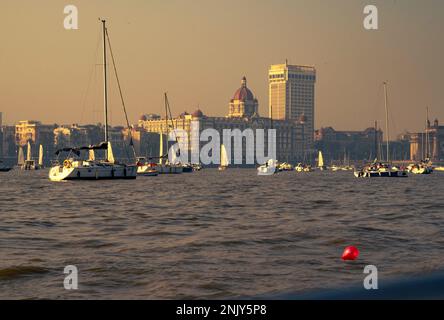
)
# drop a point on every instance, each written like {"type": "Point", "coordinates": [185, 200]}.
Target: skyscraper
{"type": "Point", "coordinates": [292, 96]}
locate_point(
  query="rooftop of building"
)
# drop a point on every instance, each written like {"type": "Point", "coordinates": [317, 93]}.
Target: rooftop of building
{"type": "Point", "coordinates": [294, 68]}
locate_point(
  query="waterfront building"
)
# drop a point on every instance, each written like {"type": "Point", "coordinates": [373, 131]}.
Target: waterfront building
{"type": "Point", "coordinates": [292, 97]}
{"type": "Point", "coordinates": [36, 134]}
{"type": "Point", "coordinates": [242, 114]}
{"type": "Point", "coordinates": [429, 143]}
{"type": "Point", "coordinates": [351, 145]}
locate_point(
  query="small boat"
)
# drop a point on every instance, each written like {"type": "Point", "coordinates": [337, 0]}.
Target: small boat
{"type": "Point", "coordinates": [379, 169]}
{"type": "Point", "coordinates": [145, 168]}
{"type": "Point", "coordinates": [300, 167]}
{"type": "Point", "coordinates": [438, 168]}
{"type": "Point", "coordinates": [223, 158]}
{"type": "Point", "coordinates": [321, 165]}
{"type": "Point", "coordinates": [20, 157]}
{"type": "Point", "coordinates": [196, 166]}
{"type": "Point", "coordinates": [284, 166]}
{"type": "Point", "coordinates": [167, 167]}
{"type": "Point", "coordinates": [268, 168]}
{"type": "Point", "coordinates": [29, 163]}
{"type": "Point", "coordinates": [422, 167]}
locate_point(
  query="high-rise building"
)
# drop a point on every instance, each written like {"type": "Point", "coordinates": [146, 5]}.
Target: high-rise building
{"type": "Point", "coordinates": [292, 96]}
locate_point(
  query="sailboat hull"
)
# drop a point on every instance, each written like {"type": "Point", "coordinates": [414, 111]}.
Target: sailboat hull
{"type": "Point", "coordinates": [169, 169]}
{"type": "Point", "coordinates": [147, 171]}
{"type": "Point", "coordinates": [94, 172]}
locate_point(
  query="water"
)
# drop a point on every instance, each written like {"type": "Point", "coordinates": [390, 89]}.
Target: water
{"type": "Point", "coordinates": [213, 234]}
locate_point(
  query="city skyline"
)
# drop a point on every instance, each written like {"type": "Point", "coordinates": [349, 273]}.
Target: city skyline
{"type": "Point", "coordinates": [48, 67]}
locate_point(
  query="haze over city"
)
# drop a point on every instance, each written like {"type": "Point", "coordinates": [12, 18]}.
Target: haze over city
{"type": "Point", "coordinates": [198, 51]}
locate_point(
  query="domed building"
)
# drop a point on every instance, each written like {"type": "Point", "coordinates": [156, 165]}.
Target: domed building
{"type": "Point", "coordinates": [243, 104]}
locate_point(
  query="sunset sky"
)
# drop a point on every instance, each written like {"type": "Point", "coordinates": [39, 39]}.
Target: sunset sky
{"type": "Point", "coordinates": [198, 51]}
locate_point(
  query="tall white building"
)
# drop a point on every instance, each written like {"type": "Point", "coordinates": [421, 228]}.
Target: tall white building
{"type": "Point", "coordinates": [292, 96]}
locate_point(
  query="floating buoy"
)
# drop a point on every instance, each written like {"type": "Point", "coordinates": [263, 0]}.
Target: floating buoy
{"type": "Point", "coordinates": [350, 253]}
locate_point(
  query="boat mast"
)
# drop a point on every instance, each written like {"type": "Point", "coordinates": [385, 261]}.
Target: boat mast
{"type": "Point", "coordinates": [427, 148]}
{"type": "Point", "coordinates": [105, 87]}
{"type": "Point", "coordinates": [386, 121]}
{"type": "Point", "coordinates": [376, 139]}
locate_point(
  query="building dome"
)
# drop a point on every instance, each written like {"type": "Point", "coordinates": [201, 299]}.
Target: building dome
{"type": "Point", "coordinates": [197, 114]}
{"type": "Point", "coordinates": [243, 93]}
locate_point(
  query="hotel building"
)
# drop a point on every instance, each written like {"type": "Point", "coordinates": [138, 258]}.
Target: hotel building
{"type": "Point", "coordinates": [292, 97]}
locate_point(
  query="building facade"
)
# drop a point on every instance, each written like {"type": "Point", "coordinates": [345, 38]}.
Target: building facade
{"type": "Point", "coordinates": [36, 134]}
{"type": "Point", "coordinates": [242, 115]}
{"type": "Point", "coordinates": [292, 96]}
{"type": "Point", "coordinates": [348, 145]}
{"type": "Point", "coordinates": [428, 144]}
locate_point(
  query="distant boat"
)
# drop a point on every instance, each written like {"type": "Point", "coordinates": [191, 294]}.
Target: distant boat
{"type": "Point", "coordinates": [423, 166]}
{"type": "Point", "coordinates": [167, 167]}
{"type": "Point", "coordinates": [321, 164]}
{"type": "Point", "coordinates": [269, 168]}
{"type": "Point", "coordinates": [378, 168]}
{"type": "Point", "coordinates": [223, 158]}
{"type": "Point", "coordinates": [284, 166]}
{"type": "Point", "coordinates": [40, 157]}
{"type": "Point", "coordinates": [21, 157]}
{"type": "Point", "coordinates": [75, 168]}
{"type": "Point", "coordinates": [29, 163]}
{"type": "Point", "coordinates": [439, 168]}
{"type": "Point", "coordinates": [146, 168]}
{"type": "Point", "coordinates": [300, 167]}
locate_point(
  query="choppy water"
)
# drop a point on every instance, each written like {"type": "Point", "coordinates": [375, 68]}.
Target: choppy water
{"type": "Point", "coordinates": [213, 234]}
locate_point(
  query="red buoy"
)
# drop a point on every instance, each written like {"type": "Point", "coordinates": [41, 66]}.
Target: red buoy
{"type": "Point", "coordinates": [350, 253]}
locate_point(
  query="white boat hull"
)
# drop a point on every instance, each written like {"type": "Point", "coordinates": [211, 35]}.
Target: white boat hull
{"type": "Point", "coordinates": [96, 172]}
{"type": "Point", "coordinates": [147, 171]}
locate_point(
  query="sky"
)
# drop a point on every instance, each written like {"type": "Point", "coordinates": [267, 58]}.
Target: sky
{"type": "Point", "coordinates": [198, 51]}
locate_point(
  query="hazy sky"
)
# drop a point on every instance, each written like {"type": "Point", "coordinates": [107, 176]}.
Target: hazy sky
{"type": "Point", "coordinates": [198, 50]}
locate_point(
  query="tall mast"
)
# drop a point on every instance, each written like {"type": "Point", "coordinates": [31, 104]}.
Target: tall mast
{"type": "Point", "coordinates": [105, 87]}
{"type": "Point", "coordinates": [376, 139]}
{"type": "Point", "coordinates": [386, 121]}
{"type": "Point", "coordinates": [427, 150]}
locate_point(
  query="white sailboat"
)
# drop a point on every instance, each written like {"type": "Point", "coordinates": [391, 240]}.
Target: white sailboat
{"type": "Point", "coordinates": [379, 169]}
{"type": "Point", "coordinates": [75, 168]}
{"type": "Point", "coordinates": [40, 157]}
{"type": "Point", "coordinates": [29, 163]}
{"type": "Point", "coordinates": [223, 158]}
{"type": "Point", "coordinates": [423, 166]}
{"type": "Point", "coordinates": [164, 166]}
{"type": "Point", "coordinates": [321, 165]}
{"type": "Point", "coordinates": [21, 157]}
